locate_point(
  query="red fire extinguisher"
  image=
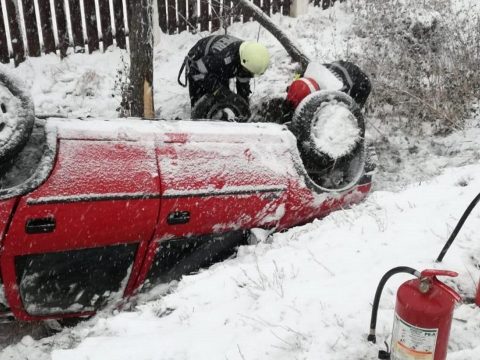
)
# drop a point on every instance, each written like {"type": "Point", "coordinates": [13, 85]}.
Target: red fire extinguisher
{"type": "Point", "coordinates": [423, 316]}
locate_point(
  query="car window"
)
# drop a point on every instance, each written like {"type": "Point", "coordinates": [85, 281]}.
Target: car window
{"type": "Point", "coordinates": [22, 166]}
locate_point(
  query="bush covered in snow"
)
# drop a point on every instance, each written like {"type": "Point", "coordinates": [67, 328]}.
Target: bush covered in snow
{"type": "Point", "coordinates": [423, 57]}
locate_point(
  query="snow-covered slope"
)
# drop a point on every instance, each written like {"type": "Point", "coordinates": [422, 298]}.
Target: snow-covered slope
{"type": "Point", "coordinates": [308, 292]}
{"type": "Point", "coordinates": [302, 294]}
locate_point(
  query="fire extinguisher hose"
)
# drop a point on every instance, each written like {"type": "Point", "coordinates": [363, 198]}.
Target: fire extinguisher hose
{"type": "Point", "coordinates": [373, 321]}
{"type": "Point", "coordinates": [460, 223]}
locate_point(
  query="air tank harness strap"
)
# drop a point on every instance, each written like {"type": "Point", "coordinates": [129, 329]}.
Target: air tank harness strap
{"type": "Point", "coordinates": [185, 66]}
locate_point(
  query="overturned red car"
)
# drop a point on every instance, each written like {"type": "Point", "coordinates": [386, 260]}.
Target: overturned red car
{"type": "Point", "coordinates": [93, 208]}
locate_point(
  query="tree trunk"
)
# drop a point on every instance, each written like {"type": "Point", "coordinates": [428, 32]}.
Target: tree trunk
{"type": "Point", "coordinates": [141, 59]}
{"type": "Point", "coordinates": [292, 49]}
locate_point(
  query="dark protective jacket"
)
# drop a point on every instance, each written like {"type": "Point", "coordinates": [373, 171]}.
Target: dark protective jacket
{"type": "Point", "coordinates": [216, 59]}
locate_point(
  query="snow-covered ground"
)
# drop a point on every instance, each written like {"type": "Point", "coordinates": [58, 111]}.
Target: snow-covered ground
{"type": "Point", "coordinates": [302, 294]}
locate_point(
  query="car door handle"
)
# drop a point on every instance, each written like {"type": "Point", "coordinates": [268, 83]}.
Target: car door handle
{"type": "Point", "coordinates": [178, 217]}
{"type": "Point", "coordinates": [40, 226]}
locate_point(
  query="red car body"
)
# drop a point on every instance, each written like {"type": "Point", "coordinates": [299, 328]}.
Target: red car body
{"type": "Point", "coordinates": [111, 201]}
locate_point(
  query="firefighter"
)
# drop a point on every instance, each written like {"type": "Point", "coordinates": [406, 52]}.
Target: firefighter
{"type": "Point", "coordinates": [216, 59]}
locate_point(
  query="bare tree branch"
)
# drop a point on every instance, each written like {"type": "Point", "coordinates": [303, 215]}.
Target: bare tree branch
{"type": "Point", "coordinates": [292, 49]}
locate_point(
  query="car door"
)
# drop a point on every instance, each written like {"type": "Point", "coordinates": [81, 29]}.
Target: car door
{"type": "Point", "coordinates": [79, 239]}
{"type": "Point", "coordinates": [218, 180]}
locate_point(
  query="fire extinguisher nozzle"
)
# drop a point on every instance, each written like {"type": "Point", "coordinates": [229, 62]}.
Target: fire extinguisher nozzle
{"type": "Point", "coordinates": [378, 293]}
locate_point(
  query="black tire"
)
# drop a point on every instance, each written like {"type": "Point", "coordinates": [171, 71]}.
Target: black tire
{"type": "Point", "coordinates": [230, 106]}
{"type": "Point", "coordinates": [17, 117]}
{"type": "Point", "coordinates": [330, 172]}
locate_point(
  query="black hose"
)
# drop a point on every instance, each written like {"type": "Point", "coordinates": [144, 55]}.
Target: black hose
{"type": "Point", "coordinates": [460, 223]}
{"type": "Point", "coordinates": [373, 321]}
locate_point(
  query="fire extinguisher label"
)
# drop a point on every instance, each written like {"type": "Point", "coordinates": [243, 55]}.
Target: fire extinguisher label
{"type": "Point", "coordinates": [410, 342]}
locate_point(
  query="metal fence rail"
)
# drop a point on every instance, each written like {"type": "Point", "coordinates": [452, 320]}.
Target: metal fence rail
{"type": "Point", "coordinates": [36, 27]}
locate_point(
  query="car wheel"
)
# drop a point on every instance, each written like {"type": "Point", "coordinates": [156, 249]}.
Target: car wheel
{"type": "Point", "coordinates": [330, 132]}
{"type": "Point", "coordinates": [224, 105]}
{"type": "Point", "coordinates": [16, 117]}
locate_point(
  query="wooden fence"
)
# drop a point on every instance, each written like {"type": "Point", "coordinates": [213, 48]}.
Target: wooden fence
{"type": "Point", "coordinates": [36, 27]}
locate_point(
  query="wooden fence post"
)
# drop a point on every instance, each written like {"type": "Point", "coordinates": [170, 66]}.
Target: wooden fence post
{"type": "Point", "coordinates": [203, 15]}
{"type": "Point", "coordinates": [216, 15]}
{"type": "Point", "coordinates": [286, 7]}
{"type": "Point", "coordinates": [192, 15]}
{"type": "Point", "coordinates": [76, 21]}
{"type": "Point", "coordinates": [15, 33]}
{"type": "Point", "coordinates": [182, 15]}
{"type": "Point", "coordinates": [4, 58]}
{"type": "Point", "coordinates": [119, 24]}
{"type": "Point", "coordinates": [162, 15]}
{"type": "Point", "coordinates": [327, 3]}
{"type": "Point", "coordinates": [91, 22]}
{"type": "Point", "coordinates": [105, 22]}
{"type": "Point", "coordinates": [267, 7]}
{"type": "Point", "coordinates": [61, 16]}
{"type": "Point", "coordinates": [172, 19]}
{"type": "Point", "coordinates": [47, 28]}
{"type": "Point", "coordinates": [33, 42]}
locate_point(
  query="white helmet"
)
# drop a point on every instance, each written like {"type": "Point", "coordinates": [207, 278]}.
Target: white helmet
{"type": "Point", "coordinates": [254, 57]}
